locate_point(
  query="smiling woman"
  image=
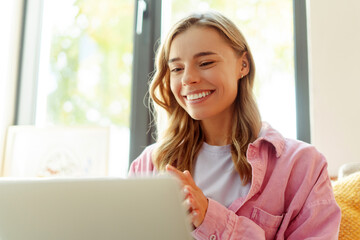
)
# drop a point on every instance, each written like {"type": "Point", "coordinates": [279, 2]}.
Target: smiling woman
{"type": "Point", "coordinates": [227, 161]}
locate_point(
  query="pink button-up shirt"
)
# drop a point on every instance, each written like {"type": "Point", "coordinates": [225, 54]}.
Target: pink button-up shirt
{"type": "Point", "coordinates": [290, 195]}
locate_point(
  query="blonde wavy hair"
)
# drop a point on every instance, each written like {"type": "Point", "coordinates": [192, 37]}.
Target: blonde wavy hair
{"type": "Point", "coordinates": [180, 139]}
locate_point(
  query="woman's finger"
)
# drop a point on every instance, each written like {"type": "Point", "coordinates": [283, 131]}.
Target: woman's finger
{"type": "Point", "coordinates": [176, 173]}
{"type": "Point", "coordinates": [185, 176]}
{"type": "Point", "coordinates": [196, 218]}
{"type": "Point", "coordinates": [189, 178]}
{"type": "Point", "coordinates": [189, 192]}
{"type": "Point", "coordinates": [187, 206]}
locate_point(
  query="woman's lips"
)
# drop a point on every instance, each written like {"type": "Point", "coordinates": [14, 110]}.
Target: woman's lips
{"type": "Point", "coordinates": [199, 96]}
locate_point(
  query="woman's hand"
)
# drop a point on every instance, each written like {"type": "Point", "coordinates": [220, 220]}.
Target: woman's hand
{"type": "Point", "coordinates": [195, 200]}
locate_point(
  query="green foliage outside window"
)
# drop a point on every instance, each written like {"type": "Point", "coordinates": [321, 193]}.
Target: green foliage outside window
{"type": "Point", "coordinates": [91, 62]}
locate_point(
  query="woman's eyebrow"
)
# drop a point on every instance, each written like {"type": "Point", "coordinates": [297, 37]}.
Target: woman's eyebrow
{"type": "Point", "coordinates": [174, 60]}
{"type": "Point", "coordinates": [200, 54]}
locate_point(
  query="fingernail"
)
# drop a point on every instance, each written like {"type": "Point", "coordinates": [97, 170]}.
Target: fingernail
{"type": "Point", "coordinates": [186, 191]}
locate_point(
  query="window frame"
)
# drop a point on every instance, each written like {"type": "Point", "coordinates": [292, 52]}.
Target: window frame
{"type": "Point", "coordinates": [29, 63]}
{"type": "Point", "coordinates": [301, 66]}
{"type": "Point", "coordinates": [141, 126]}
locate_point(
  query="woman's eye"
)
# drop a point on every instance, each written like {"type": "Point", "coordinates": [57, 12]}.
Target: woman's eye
{"type": "Point", "coordinates": [176, 69]}
{"type": "Point", "coordinates": [204, 64]}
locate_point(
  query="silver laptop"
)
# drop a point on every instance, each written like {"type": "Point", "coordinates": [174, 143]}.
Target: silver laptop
{"type": "Point", "coordinates": [92, 208]}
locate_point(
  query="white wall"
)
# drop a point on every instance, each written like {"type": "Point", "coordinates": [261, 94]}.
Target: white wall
{"type": "Point", "coordinates": [334, 57]}
{"type": "Point", "coordinates": [10, 22]}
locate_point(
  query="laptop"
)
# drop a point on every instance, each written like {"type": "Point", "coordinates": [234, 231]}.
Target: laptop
{"type": "Point", "coordinates": [92, 208]}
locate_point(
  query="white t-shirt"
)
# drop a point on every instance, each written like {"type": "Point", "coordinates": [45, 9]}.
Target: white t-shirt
{"type": "Point", "coordinates": [216, 176]}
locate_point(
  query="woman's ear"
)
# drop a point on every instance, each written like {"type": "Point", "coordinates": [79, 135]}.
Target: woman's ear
{"type": "Point", "coordinates": [244, 63]}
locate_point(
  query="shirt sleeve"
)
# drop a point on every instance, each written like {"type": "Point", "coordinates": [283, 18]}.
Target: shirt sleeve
{"type": "Point", "coordinates": [134, 168]}
{"type": "Point", "coordinates": [222, 223]}
{"type": "Point", "coordinates": [143, 165]}
{"type": "Point", "coordinates": [320, 216]}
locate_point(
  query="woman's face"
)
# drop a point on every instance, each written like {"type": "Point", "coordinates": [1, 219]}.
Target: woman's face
{"type": "Point", "coordinates": [204, 73]}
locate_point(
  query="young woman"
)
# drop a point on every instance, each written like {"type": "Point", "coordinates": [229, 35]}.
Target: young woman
{"type": "Point", "coordinates": [241, 178]}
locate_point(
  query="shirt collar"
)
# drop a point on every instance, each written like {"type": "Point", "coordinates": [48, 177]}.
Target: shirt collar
{"type": "Point", "coordinates": [270, 135]}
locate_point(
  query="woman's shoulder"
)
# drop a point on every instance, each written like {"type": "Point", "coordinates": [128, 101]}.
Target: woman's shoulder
{"type": "Point", "coordinates": [290, 159]}
{"type": "Point", "coordinates": [291, 150]}
{"type": "Point", "coordinates": [299, 165]}
{"type": "Point", "coordinates": [143, 164]}
{"type": "Point", "coordinates": [303, 167]}
{"type": "Point", "coordinates": [302, 153]}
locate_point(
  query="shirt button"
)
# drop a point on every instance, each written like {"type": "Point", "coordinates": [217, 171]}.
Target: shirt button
{"type": "Point", "coordinates": [212, 237]}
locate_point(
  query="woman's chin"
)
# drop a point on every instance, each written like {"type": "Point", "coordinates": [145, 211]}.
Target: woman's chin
{"type": "Point", "coordinates": [197, 115]}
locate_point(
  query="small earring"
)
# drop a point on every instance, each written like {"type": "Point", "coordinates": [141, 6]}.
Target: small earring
{"type": "Point", "coordinates": [244, 64]}
{"type": "Point", "coordinates": [242, 76]}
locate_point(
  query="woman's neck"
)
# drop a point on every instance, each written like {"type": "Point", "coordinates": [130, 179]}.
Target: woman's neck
{"type": "Point", "coordinates": [217, 130]}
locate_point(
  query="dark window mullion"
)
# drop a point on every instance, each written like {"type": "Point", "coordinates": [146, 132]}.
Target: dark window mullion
{"type": "Point", "coordinates": [301, 72]}
{"type": "Point", "coordinates": [143, 66]}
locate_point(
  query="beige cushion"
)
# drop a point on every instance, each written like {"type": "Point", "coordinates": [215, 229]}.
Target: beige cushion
{"type": "Point", "coordinates": [348, 168]}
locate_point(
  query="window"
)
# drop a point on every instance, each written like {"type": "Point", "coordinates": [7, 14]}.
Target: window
{"type": "Point", "coordinates": [87, 62]}
{"type": "Point", "coordinates": [85, 68]}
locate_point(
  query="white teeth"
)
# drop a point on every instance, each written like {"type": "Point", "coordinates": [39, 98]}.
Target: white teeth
{"type": "Point", "coordinates": [197, 96]}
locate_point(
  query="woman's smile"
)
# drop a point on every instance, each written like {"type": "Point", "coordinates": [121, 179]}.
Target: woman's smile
{"type": "Point", "coordinates": [197, 97]}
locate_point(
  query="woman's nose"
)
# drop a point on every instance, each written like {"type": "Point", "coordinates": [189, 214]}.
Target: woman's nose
{"type": "Point", "coordinates": [190, 76]}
